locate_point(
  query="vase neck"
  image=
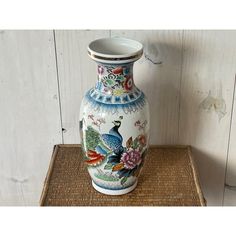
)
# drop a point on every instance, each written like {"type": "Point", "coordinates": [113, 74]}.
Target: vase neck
{"type": "Point", "coordinates": [115, 79]}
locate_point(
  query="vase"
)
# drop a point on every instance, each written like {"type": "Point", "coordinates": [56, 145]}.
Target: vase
{"type": "Point", "coordinates": [114, 118]}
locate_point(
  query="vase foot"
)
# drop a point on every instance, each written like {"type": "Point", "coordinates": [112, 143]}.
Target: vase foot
{"type": "Point", "coordinates": [114, 192]}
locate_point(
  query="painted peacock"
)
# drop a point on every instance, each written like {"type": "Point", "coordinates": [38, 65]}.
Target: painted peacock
{"type": "Point", "coordinates": [100, 146]}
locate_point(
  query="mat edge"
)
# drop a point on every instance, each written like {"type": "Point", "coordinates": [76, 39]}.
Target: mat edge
{"type": "Point", "coordinates": [202, 200]}
{"type": "Point", "coordinates": [48, 176]}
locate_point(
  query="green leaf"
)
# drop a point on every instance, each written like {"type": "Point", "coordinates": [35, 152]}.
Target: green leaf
{"type": "Point", "coordinates": [120, 77]}
{"type": "Point", "coordinates": [135, 143]}
{"type": "Point", "coordinates": [123, 180]}
{"type": "Point", "coordinates": [108, 166]}
{"type": "Point", "coordinates": [110, 82]}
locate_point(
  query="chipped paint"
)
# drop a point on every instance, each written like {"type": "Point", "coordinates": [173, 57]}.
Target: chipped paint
{"type": "Point", "coordinates": [151, 54]}
{"type": "Point", "coordinates": [216, 104]}
{"type": "Point", "coordinates": [152, 61]}
{"type": "Point", "coordinates": [64, 130]}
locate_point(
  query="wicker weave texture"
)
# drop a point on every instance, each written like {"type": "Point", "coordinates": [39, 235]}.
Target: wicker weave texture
{"type": "Point", "coordinates": [168, 178]}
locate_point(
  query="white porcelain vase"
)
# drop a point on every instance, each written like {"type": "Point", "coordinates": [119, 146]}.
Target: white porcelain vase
{"type": "Point", "coordinates": [114, 118]}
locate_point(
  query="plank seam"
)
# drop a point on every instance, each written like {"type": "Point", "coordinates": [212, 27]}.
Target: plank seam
{"type": "Point", "coordinates": [58, 86]}
{"type": "Point", "coordinates": [180, 83]}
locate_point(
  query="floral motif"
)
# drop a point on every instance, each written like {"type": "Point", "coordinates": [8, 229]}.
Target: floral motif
{"type": "Point", "coordinates": [131, 159]}
{"type": "Point", "coordinates": [115, 80]}
{"type": "Point", "coordinates": [118, 92]}
{"type": "Point", "coordinates": [140, 125]}
{"type": "Point", "coordinates": [129, 162]}
{"type": "Point", "coordinates": [100, 70]}
{"type": "Point", "coordinates": [118, 70]}
{"type": "Point", "coordinates": [97, 122]}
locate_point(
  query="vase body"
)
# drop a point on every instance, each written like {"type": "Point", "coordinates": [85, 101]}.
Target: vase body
{"type": "Point", "coordinates": [114, 120]}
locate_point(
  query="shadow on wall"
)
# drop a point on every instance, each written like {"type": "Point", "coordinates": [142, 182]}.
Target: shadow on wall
{"type": "Point", "coordinates": [158, 75]}
{"type": "Point", "coordinates": [193, 132]}
{"type": "Point", "coordinates": [208, 167]}
{"type": "Point", "coordinates": [201, 115]}
{"type": "Point", "coordinates": [177, 118]}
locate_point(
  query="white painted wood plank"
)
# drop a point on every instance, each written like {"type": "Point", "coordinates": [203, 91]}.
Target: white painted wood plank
{"type": "Point", "coordinates": [30, 119]}
{"type": "Point", "coordinates": [77, 73]}
{"type": "Point", "coordinates": [230, 195]}
{"type": "Point", "coordinates": [158, 74]}
{"type": "Point", "coordinates": [209, 61]}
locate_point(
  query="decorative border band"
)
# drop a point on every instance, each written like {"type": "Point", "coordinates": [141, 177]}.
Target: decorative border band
{"type": "Point", "coordinates": [128, 107]}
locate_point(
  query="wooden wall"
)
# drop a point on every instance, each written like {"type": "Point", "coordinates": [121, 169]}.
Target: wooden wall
{"type": "Point", "coordinates": [30, 116]}
{"type": "Point", "coordinates": [188, 76]}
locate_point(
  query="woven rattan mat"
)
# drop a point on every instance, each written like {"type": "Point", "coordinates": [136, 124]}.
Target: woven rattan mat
{"type": "Point", "coordinates": [168, 178]}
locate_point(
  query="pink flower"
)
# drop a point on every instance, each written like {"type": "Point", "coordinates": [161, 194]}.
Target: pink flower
{"type": "Point", "coordinates": [100, 70]}
{"type": "Point", "coordinates": [131, 159]}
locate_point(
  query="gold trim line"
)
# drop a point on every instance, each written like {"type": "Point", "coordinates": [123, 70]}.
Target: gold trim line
{"type": "Point", "coordinates": [114, 58]}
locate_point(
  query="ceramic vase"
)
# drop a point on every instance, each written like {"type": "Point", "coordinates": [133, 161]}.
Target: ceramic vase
{"type": "Point", "coordinates": [114, 118]}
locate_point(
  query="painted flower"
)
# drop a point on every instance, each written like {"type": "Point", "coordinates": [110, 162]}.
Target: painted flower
{"type": "Point", "coordinates": [126, 70]}
{"type": "Point", "coordinates": [100, 70]}
{"type": "Point", "coordinates": [131, 159]}
{"type": "Point", "coordinates": [118, 92]}
{"type": "Point", "coordinates": [107, 90]}
{"type": "Point", "coordinates": [129, 83]}
{"type": "Point", "coordinates": [142, 139]}
{"type": "Point", "coordinates": [117, 70]}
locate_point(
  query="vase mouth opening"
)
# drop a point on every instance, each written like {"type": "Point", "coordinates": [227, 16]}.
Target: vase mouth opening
{"type": "Point", "coordinates": [115, 50]}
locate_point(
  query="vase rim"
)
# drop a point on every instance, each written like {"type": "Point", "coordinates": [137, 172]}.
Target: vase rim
{"type": "Point", "coordinates": [116, 50]}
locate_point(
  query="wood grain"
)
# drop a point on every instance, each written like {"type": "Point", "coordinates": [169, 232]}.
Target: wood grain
{"type": "Point", "coordinates": [209, 59]}
{"type": "Point", "coordinates": [30, 119]}
{"type": "Point", "coordinates": [158, 74]}
{"type": "Point", "coordinates": [77, 73]}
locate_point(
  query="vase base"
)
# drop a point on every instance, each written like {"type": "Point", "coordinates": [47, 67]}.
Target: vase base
{"type": "Point", "coordinates": [114, 192]}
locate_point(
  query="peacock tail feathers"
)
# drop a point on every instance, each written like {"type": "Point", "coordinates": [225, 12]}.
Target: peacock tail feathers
{"type": "Point", "coordinates": [92, 138]}
{"type": "Point", "coordinates": [95, 150]}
